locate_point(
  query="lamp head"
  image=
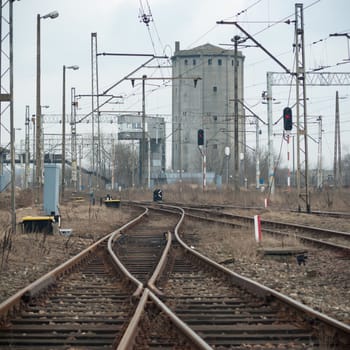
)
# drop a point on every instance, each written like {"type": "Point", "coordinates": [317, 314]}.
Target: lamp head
{"type": "Point", "coordinates": [75, 67]}
{"type": "Point", "coordinates": [52, 15]}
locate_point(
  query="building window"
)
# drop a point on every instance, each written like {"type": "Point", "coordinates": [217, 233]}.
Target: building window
{"type": "Point", "coordinates": [194, 62]}
{"type": "Point", "coordinates": [186, 62]}
{"type": "Point", "coordinates": [220, 62]}
{"type": "Point", "coordinates": [215, 117]}
{"type": "Point", "coordinates": [210, 61]}
{"type": "Point", "coordinates": [215, 88]}
{"type": "Point", "coordinates": [215, 146]}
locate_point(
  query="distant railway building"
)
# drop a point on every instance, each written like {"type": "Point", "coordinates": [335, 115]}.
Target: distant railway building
{"type": "Point", "coordinates": [203, 99]}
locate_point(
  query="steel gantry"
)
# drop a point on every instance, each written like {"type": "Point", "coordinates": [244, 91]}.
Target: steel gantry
{"type": "Point", "coordinates": [301, 111]}
{"type": "Point", "coordinates": [311, 79]}
{"type": "Point", "coordinates": [6, 95]}
{"type": "Point", "coordinates": [95, 105]}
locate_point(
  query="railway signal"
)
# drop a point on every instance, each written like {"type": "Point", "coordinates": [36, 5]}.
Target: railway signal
{"type": "Point", "coordinates": [287, 119]}
{"type": "Point", "coordinates": [200, 137]}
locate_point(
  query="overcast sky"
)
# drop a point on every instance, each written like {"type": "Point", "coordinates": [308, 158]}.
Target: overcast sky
{"type": "Point", "coordinates": [66, 41]}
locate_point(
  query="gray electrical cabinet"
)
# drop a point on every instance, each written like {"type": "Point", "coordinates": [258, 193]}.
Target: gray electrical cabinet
{"type": "Point", "coordinates": [51, 188]}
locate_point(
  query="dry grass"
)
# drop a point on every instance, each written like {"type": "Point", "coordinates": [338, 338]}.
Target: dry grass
{"type": "Point", "coordinates": [328, 199]}
{"type": "Point", "coordinates": [225, 243]}
{"type": "Point", "coordinates": [25, 257]}
{"type": "Point", "coordinates": [82, 217]}
{"type": "Point", "coordinates": [88, 223]}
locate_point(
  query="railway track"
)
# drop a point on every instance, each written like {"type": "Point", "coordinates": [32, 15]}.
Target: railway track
{"type": "Point", "coordinates": [88, 309]}
{"type": "Point", "coordinates": [84, 303]}
{"type": "Point", "coordinates": [88, 302]}
{"type": "Point", "coordinates": [334, 239]}
{"type": "Point", "coordinates": [260, 209]}
{"type": "Point", "coordinates": [142, 287]}
{"type": "Point", "coordinates": [230, 311]}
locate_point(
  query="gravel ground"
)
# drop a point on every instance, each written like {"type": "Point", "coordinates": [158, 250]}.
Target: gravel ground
{"type": "Point", "coordinates": [322, 282]}
{"type": "Point", "coordinates": [29, 256]}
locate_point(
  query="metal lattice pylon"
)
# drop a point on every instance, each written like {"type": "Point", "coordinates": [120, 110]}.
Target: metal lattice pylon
{"type": "Point", "coordinates": [95, 116]}
{"type": "Point", "coordinates": [301, 112]}
{"type": "Point", "coordinates": [4, 76]}
{"type": "Point", "coordinates": [6, 94]}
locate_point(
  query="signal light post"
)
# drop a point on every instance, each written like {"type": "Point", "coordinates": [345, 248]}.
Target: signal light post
{"type": "Point", "coordinates": [200, 137]}
{"type": "Point", "coordinates": [288, 126]}
{"type": "Point", "coordinates": [287, 119]}
{"type": "Point", "coordinates": [200, 141]}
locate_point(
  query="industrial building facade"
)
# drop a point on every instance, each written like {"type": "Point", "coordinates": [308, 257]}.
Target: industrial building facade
{"type": "Point", "coordinates": [203, 98]}
{"type": "Point", "coordinates": [152, 167]}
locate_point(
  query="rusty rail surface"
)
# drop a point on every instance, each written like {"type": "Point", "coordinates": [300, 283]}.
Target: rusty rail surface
{"type": "Point", "coordinates": [156, 311]}
{"type": "Point", "coordinates": [151, 313]}
{"type": "Point", "coordinates": [333, 239]}
{"type": "Point", "coordinates": [85, 301]}
{"type": "Point", "coordinates": [317, 324]}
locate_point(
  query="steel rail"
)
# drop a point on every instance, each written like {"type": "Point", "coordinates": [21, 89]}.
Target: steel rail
{"type": "Point", "coordinates": [122, 268]}
{"type": "Point", "coordinates": [311, 240]}
{"type": "Point", "coordinates": [257, 288]}
{"type": "Point", "coordinates": [334, 214]}
{"type": "Point", "coordinates": [264, 223]}
{"type": "Point", "coordinates": [160, 267]}
{"type": "Point", "coordinates": [186, 330]}
{"type": "Point", "coordinates": [128, 340]}
{"type": "Point", "coordinates": [44, 282]}
{"type": "Point", "coordinates": [49, 279]}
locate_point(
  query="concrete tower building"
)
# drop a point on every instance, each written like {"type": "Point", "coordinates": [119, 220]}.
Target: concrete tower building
{"type": "Point", "coordinates": [208, 104]}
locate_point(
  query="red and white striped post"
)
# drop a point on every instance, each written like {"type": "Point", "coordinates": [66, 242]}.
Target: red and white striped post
{"type": "Point", "coordinates": [204, 170]}
{"type": "Point", "coordinates": [257, 228]}
{"type": "Point", "coordinates": [288, 159]}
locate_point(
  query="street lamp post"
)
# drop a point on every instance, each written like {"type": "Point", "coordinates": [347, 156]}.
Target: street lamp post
{"type": "Point", "coordinates": [39, 161]}
{"type": "Point", "coordinates": [236, 40]}
{"type": "Point", "coordinates": [63, 159]}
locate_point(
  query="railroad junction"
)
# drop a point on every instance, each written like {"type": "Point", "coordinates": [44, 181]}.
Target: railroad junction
{"type": "Point", "coordinates": [147, 285]}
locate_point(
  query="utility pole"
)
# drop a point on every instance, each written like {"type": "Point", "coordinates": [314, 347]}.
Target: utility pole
{"type": "Point", "coordinates": [38, 154]}
{"type": "Point", "coordinates": [39, 122]}
{"type": "Point", "coordinates": [12, 126]}
{"type": "Point", "coordinates": [180, 134]}
{"type": "Point", "coordinates": [95, 107]}
{"type": "Point", "coordinates": [312, 79]}
{"type": "Point", "coordinates": [257, 151]}
{"type": "Point", "coordinates": [319, 155]}
{"type": "Point", "coordinates": [337, 146]}
{"type": "Point", "coordinates": [235, 87]}
{"type": "Point", "coordinates": [6, 93]}
{"type": "Point", "coordinates": [113, 164]}
{"type": "Point", "coordinates": [74, 140]}
{"type": "Point", "coordinates": [143, 137]}
{"type": "Point", "coordinates": [33, 157]}
{"type": "Point", "coordinates": [27, 149]}
{"type": "Point", "coordinates": [63, 157]}
{"type": "Point", "coordinates": [271, 174]}
{"type": "Point", "coordinates": [301, 111]}
{"type": "Point", "coordinates": [80, 174]}
{"type": "Point", "coordinates": [269, 101]}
